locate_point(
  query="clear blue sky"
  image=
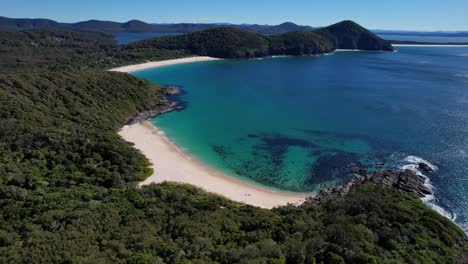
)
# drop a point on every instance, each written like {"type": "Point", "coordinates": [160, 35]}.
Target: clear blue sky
{"type": "Point", "coordinates": [396, 14]}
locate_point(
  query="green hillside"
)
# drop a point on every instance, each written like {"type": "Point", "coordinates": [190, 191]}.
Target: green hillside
{"type": "Point", "coordinates": [67, 179]}
{"type": "Point", "coordinates": [222, 42]}
{"type": "Point", "coordinates": [229, 42]}
{"type": "Point", "coordinates": [349, 35]}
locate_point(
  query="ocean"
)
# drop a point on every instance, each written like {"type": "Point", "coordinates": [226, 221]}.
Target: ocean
{"type": "Point", "coordinates": [304, 123]}
{"type": "Point", "coordinates": [436, 39]}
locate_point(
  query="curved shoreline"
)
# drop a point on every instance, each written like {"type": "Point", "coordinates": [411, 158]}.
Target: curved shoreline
{"type": "Point", "coordinates": [171, 164]}
{"type": "Point", "coordinates": [157, 64]}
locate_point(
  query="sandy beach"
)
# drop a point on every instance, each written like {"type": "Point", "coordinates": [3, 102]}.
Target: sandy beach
{"type": "Point", "coordinates": [171, 164]}
{"type": "Point", "coordinates": [156, 64]}
{"type": "Point", "coordinates": [428, 45]}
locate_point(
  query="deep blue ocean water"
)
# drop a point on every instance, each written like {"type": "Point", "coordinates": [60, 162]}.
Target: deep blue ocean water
{"type": "Point", "coordinates": [304, 123]}
{"type": "Point", "coordinates": [437, 39]}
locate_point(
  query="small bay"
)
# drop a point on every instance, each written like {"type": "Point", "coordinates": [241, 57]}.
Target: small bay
{"type": "Point", "coordinates": [304, 123]}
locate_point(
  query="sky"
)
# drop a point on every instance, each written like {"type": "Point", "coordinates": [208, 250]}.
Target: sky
{"type": "Point", "coordinates": [391, 14]}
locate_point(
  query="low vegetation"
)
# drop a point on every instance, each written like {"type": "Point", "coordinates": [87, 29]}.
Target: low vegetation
{"type": "Point", "coordinates": [67, 190]}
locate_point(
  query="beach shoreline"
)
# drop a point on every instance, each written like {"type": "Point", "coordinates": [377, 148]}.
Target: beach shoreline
{"type": "Point", "coordinates": [429, 45]}
{"type": "Point", "coordinates": [171, 164]}
{"type": "Point", "coordinates": [157, 64]}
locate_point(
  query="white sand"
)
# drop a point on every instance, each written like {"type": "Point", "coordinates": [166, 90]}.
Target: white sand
{"type": "Point", "coordinates": [156, 64]}
{"type": "Point", "coordinates": [427, 45]}
{"type": "Point", "coordinates": [173, 165]}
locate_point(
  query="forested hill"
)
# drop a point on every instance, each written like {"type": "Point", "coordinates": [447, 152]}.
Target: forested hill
{"type": "Point", "coordinates": [67, 180]}
{"type": "Point", "coordinates": [136, 26]}
{"type": "Point", "coordinates": [349, 35]}
{"type": "Point", "coordinates": [229, 42]}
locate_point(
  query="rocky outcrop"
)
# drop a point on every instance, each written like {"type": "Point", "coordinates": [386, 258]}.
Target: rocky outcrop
{"type": "Point", "coordinates": [425, 167]}
{"type": "Point", "coordinates": [405, 181]}
{"type": "Point", "coordinates": [163, 106]}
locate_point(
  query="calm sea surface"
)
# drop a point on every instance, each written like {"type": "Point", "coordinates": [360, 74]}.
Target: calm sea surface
{"type": "Point", "coordinates": [437, 39]}
{"type": "Point", "coordinates": [303, 123]}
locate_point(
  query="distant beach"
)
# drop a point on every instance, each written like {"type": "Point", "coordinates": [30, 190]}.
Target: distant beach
{"type": "Point", "coordinates": [156, 64]}
{"type": "Point", "coordinates": [173, 165]}
{"type": "Point", "coordinates": [428, 45]}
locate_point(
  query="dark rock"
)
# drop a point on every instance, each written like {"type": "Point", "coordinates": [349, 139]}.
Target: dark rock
{"type": "Point", "coordinates": [360, 171]}
{"type": "Point", "coordinates": [385, 178]}
{"type": "Point", "coordinates": [335, 191]}
{"type": "Point", "coordinates": [405, 181]}
{"type": "Point", "coordinates": [162, 107]}
{"type": "Point", "coordinates": [425, 167]}
{"type": "Point", "coordinates": [410, 182]}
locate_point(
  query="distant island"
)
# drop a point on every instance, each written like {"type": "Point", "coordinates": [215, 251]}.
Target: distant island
{"type": "Point", "coordinates": [415, 43]}
{"type": "Point", "coordinates": [68, 180]}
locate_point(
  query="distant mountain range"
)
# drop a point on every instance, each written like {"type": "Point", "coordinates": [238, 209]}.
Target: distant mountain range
{"type": "Point", "coordinates": [137, 26]}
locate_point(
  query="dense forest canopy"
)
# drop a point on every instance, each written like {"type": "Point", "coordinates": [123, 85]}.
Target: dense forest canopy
{"type": "Point", "coordinates": [136, 26]}
{"type": "Point", "coordinates": [229, 42]}
{"type": "Point", "coordinates": [67, 179]}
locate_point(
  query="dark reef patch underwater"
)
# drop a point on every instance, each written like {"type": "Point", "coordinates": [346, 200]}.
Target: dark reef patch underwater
{"type": "Point", "coordinates": [273, 161]}
{"type": "Point", "coordinates": [304, 123]}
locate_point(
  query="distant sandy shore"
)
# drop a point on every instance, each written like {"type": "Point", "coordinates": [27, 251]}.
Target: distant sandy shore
{"type": "Point", "coordinates": [173, 165]}
{"type": "Point", "coordinates": [156, 64]}
{"type": "Point", "coordinates": [428, 45]}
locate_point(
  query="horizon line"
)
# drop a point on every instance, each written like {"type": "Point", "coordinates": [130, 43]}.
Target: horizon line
{"type": "Point", "coordinates": [230, 23]}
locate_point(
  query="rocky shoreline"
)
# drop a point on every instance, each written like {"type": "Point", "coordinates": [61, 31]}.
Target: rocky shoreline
{"type": "Point", "coordinates": [163, 106]}
{"type": "Point", "coordinates": [406, 181]}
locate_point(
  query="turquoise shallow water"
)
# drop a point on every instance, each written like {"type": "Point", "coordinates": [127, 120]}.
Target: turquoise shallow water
{"type": "Point", "coordinates": [303, 123]}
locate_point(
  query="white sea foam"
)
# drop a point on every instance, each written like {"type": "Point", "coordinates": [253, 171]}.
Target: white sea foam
{"type": "Point", "coordinates": [416, 160]}
{"type": "Point", "coordinates": [464, 227]}
{"type": "Point", "coordinates": [462, 55]}
{"type": "Point", "coordinates": [412, 163]}
{"type": "Point", "coordinates": [461, 75]}
{"type": "Point", "coordinates": [281, 56]}
{"type": "Point", "coordinates": [442, 211]}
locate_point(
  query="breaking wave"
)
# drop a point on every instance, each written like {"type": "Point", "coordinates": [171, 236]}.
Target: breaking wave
{"type": "Point", "coordinates": [412, 163]}
{"type": "Point", "coordinates": [461, 75]}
